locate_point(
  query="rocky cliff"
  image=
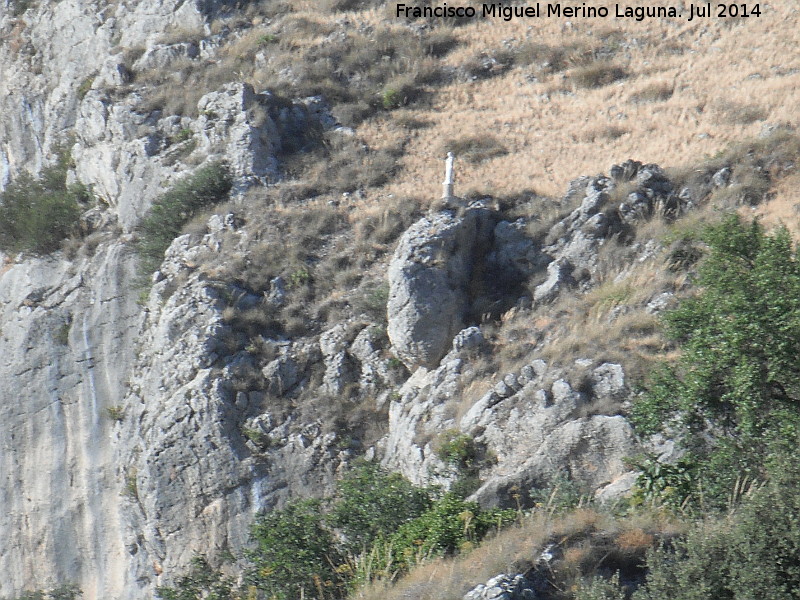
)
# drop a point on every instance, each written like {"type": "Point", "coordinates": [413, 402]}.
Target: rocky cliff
{"type": "Point", "coordinates": [143, 424]}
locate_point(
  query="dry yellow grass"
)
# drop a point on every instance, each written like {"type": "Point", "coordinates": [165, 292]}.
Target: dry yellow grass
{"type": "Point", "coordinates": [691, 90]}
{"type": "Point", "coordinates": [781, 210]}
{"type": "Point", "coordinates": [582, 539]}
{"type": "Point", "coordinates": [707, 65]}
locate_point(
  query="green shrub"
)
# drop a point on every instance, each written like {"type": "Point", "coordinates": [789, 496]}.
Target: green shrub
{"type": "Point", "coordinates": [295, 554]}
{"type": "Point", "coordinates": [201, 583]}
{"type": "Point", "coordinates": [449, 525]}
{"type": "Point", "coordinates": [561, 494]}
{"type": "Point", "coordinates": [751, 553]}
{"type": "Point", "coordinates": [465, 457]}
{"type": "Point", "coordinates": [84, 87]}
{"type": "Point", "coordinates": [115, 413]}
{"type": "Point", "coordinates": [170, 211]}
{"type": "Point", "coordinates": [37, 214]}
{"type": "Point", "coordinates": [734, 393]}
{"type": "Point", "coordinates": [669, 484]}
{"type": "Point", "coordinates": [67, 591]}
{"type": "Point", "coordinates": [371, 503]}
{"type": "Point", "coordinates": [182, 135]}
{"type": "Point", "coordinates": [598, 588]}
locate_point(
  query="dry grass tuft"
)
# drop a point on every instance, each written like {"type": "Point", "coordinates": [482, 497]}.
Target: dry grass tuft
{"type": "Point", "coordinates": [583, 542]}
{"type": "Point", "coordinates": [597, 74]}
{"type": "Point", "coordinates": [474, 149]}
{"type": "Point", "coordinates": [654, 92]}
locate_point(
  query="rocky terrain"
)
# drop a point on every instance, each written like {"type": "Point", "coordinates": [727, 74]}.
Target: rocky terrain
{"type": "Point", "coordinates": [143, 422]}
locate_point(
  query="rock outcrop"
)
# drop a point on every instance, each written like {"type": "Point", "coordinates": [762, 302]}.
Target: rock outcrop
{"type": "Point", "coordinates": [67, 342]}
{"type": "Point", "coordinates": [139, 426]}
{"type": "Point", "coordinates": [429, 279]}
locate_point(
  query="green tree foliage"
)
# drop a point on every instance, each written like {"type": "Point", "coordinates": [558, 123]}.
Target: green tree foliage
{"type": "Point", "coordinates": [170, 211]}
{"type": "Point", "coordinates": [37, 214]}
{"type": "Point", "coordinates": [598, 588]}
{"type": "Point", "coordinates": [449, 525]}
{"type": "Point", "coordinates": [376, 526]}
{"type": "Point", "coordinates": [465, 457]}
{"type": "Point", "coordinates": [67, 591]}
{"type": "Point", "coordinates": [295, 555]}
{"type": "Point", "coordinates": [201, 583]}
{"type": "Point", "coordinates": [371, 503]}
{"type": "Point", "coordinates": [734, 392]}
{"type": "Point", "coordinates": [751, 553]}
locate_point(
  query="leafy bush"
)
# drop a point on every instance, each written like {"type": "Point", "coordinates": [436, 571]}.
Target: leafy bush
{"type": "Point", "coordinates": [465, 457]}
{"type": "Point", "coordinates": [734, 392]}
{"type": "Point", "coordinates": [170, 211]}
{"type": "Point", "coordinates": [752, 553]}
{"type": "Point", "coordinates": [370, 503]}
{"type": "Point", "coordinates": [295, 554]}
{"type": "Point", "coordinates": [376, 526]}
{"type": "Point", "coordinates": [201, 583]}
{"type": "Point", "coordinates": [449, 525]}
{"type": "Point", "coordinates": [561, 494]}
{"type": "Point", "coordinates": [67, 591]}
{"type": "Point", "coordinates": [669, 484]}
{"type": "Point", "coordinates": [37, 214]}
{"type": "Point", "coordinates": [598, 588]}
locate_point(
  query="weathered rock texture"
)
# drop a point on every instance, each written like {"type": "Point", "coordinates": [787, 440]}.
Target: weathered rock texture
{"type": "Point", "coordinates": [429, 278]}
{"type": "Point", "coordinates": [88, 500]}
{"type": "Point", "coordinates": [67, 345]}
{"type": "Point", "coordinates": [136, 431]}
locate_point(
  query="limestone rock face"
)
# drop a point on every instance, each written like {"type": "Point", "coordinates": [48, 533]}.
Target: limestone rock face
{"type": "Point", "coordinates": [122, 435]}
{"type": "Point", "coordinates": [195, 473]}
{"type": "Point", "coordinates": [429, 277]}
{"type": "Point", "coordinates": [504, 587]}
{"type": "Point", "coordinates": [534, 422]}
{"type": "Point", "coordinates": [67, 340]}
{"type": "Point", "coordinates": [138, 428]}
{"type": "Point", "coordinates": [234, 125]}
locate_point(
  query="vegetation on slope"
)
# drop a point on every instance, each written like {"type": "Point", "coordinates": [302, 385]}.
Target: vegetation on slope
{"type": "Point", "coordinates": [733, 397]}
{"type": "Point", "coordinates": [719, 524]}
{"type": "Point", "coordinates": [170, 212]}
{"type": "Point", "coordinates": [37, 214]}
{"type": "Point", "coordinates": [376, 527]}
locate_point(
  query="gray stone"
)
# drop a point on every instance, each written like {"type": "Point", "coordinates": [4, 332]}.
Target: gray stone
{"type": "Point", "coordinates": [249, 140]}
{"type": "Point", "coordinates": [539, 367]}
{"type": "Point", "coordinates": [608, 381]}
{"type": "Point", "coordinates": [511, 381]}
{"type": "Point", "coordinates": [503, 390]}
{"type": "Point", "coordinates": [282, 375]}
{"type": "Point", "coordinates": [428, 278]}
{"type": "Point", "coordinates": [470, 338]}
{"type": "Point", "coordinates": [722, 177]}
{"type": "Point", "coordinates": [660, 303]}
{"type": "Point", "coordinates": [505, 587]}
{"type": "Point", "coordinates": [559, 277]}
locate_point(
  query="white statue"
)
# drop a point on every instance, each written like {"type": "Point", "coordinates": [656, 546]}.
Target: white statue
{"type": "Point", "coordinates": [447, 185]}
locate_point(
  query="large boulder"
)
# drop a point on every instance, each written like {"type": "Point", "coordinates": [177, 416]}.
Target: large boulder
{"type": "Point", "coordinates": [429, 278]}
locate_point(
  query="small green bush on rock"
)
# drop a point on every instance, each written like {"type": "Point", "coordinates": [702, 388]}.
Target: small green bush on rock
{"type": "Point", "coordinates": [448, 526]}
{"type": "Point", "coordinates": [201, 583]}
{"type": "Point", "coordinates": [750, 553]}
{"type": "Point", "coordinates": [170, 211]}
{"type": "Point", "coordinates": [295, 555]}
{"type": "Point", "coordinates": [372, 502]}
{"type": "Point", "coordinates": [37, 214]}
{"type": "Point", "coordinates": [734, 393]}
